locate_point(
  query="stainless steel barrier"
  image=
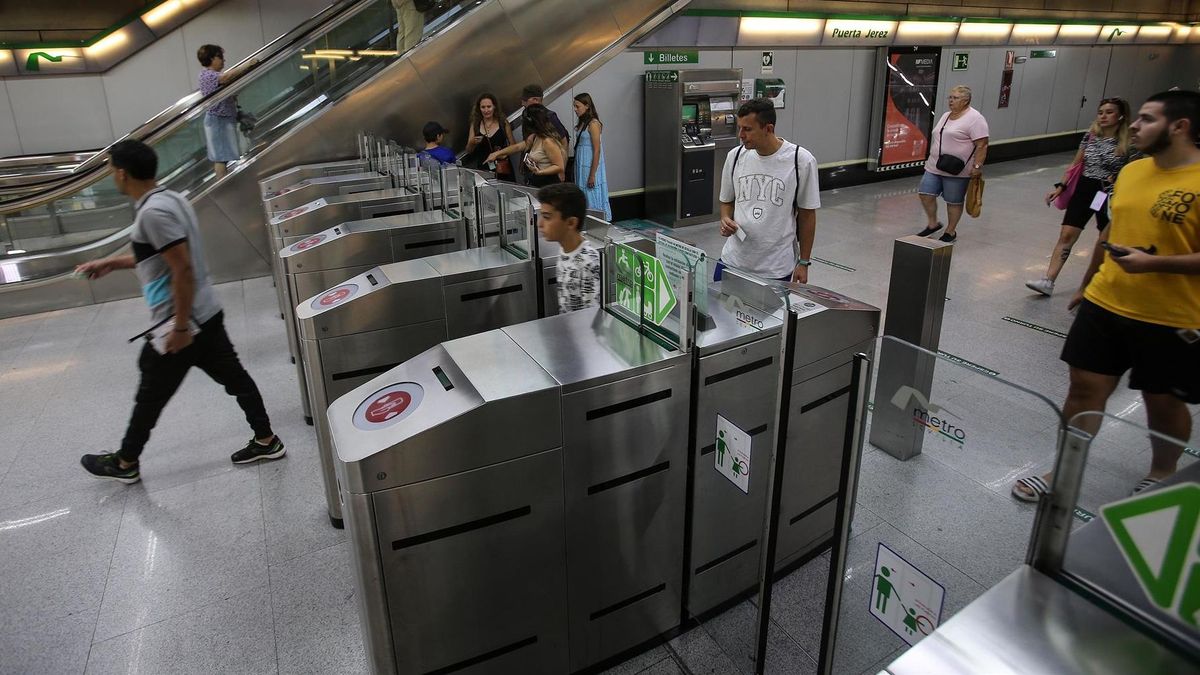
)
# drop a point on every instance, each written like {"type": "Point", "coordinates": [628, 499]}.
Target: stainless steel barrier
{"type": "Point", "coordinates": [374, 321]}
{"type": "Point", "coordinates": [916, 300]}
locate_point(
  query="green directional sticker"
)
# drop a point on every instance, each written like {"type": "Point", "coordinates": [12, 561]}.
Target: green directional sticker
{"type": "Point", "coordinates": [662, 75]}
{"type": "Point", "coordinates": [1156, 533]}
{"type": "Point", "coordinates": [641, 275]}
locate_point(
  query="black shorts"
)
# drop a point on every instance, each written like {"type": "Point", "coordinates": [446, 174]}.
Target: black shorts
{"type": "Point", "coordinates": [1079, 209]}
{"type": "Point", "coordinates": [1161, 360]}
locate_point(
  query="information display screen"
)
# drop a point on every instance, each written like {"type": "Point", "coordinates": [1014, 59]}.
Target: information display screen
{"type": "Point", "coordinates": [691, 112]}
{"type": "Point", "coordinates": [910, 100]}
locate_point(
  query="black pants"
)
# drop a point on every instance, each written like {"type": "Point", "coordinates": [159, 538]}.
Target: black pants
{"type": "Point", "coordinates": [212, 352]}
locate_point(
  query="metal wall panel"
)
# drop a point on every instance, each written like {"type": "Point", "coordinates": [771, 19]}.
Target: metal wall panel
{"type": "Point", "coordinates": [1033, 113]}
{"type": "Point", "coordinates": [149, 82]}
{"type": "Point", "coordinates": [858, 118]}
{"type": "Point", "coordinates": [49, 121]}
{"type": "Point", "coordinates": [1094, 83]}
{"type": "Point", "coordinates": [10, 141]}
{"type": "Point", "coordinates": [233, 24]}
{"type": "Point", "coordinates": [616, 89]}
{"type": "Point", "coordinates": [1070, 77]}
{"type": "Point", "coordinates": [820, 101]}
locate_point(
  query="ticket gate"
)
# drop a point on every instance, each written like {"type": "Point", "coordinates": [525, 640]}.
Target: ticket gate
{"type": "Point", "coordinates": [311, 189]}
{"type": "Point", "coordinates": [326, 259]}
{"type": "Point", "coordinates": [277, 182]}
{"type": "Point", "coordinates": [374, 321]}
{"type": "Point", "coordinates": [737, 380]}
{"type": "Point", "coordinates": [515, 498]}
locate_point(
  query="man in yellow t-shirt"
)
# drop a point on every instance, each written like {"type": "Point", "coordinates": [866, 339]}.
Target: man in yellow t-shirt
{"type": "Point", "coordinates": [1139, 304]}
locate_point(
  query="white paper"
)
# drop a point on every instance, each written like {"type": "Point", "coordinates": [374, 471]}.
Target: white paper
{"type": "Point", "coordinates": [740, 234]}
{"type": "Point", "coordinates": [1098, 200]}
{"type": "Point", "coordinates": [161, 333]}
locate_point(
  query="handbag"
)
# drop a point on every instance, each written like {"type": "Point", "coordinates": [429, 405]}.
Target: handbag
{"type": "Point", "coordinates": [1064, 198]}
{"type": "Point", "coordinates": [246, 121]}
{"type": "Point", "coordinates": [503, 164]}
{"type": "Point", "coordinates": [974, 200]}
{"type": "Point", "coordinates": [949, 163]}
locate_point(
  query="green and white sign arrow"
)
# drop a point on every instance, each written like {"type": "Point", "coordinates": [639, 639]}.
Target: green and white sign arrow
{"type": "Point", "coordinates": [640, 275]}
{"type": "Point", "coordinates": [1157, 534]}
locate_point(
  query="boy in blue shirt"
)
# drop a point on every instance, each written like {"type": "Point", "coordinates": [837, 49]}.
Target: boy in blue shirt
{"type": "Point", "coordinates": [434, 133]}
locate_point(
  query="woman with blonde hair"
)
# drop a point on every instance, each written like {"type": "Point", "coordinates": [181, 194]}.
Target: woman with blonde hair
{"type": "Point", "coordinates": [488, 132]}
{"type": "Point", "coordinates": [1104, 150]}
{"type": "Point", "coordinates": [546, 151]}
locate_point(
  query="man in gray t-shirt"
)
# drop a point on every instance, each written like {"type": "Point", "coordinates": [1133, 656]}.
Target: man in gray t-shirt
{"type": "Point", "coordinates": [187, 325]}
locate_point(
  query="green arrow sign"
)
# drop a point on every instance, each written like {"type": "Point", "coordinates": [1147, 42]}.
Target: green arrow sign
{"type": "Point", "coordinates": [1156, 533]}
{"type": "Point", "coordinates": [32, 65]}
{"type": "Point", "coordinates": [662, 75]}
{"type": "Point", "coordinates": [642, 285]}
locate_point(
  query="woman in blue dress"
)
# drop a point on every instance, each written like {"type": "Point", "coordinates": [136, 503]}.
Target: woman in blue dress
{"type": "Point", "coordinates": [589, 156]}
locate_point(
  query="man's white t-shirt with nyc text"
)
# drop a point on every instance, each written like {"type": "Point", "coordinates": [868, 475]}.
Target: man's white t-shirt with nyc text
{"type": "Point", "coordinates": [763, 191]}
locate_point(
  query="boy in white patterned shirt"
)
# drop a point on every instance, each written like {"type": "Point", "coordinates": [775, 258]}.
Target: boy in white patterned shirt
{"type": "Point", "coordinates": [563, 210]}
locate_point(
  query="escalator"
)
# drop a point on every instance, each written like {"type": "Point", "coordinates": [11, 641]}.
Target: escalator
{"type": "Point", "coordinates": [314, 91]}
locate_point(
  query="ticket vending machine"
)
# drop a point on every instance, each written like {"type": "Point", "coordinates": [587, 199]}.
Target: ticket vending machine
{"type": "Point", "coordinates": [690, 126]}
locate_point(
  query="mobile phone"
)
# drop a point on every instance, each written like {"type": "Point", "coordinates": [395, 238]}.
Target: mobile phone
{"type": "Point", "coordinates": [1112, 250]}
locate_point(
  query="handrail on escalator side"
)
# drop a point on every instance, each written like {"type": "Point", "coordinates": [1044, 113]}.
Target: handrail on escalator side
{"type": "Point", "coordinates": [171, 118]}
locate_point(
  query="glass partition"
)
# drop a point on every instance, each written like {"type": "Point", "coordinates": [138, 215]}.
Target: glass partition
{"type": "Point", "coordinates": [923, 522]}
{"type": "Point", "coordinates": [1136, 545]}
{"type": "Point", "coordinates": [286, 89]}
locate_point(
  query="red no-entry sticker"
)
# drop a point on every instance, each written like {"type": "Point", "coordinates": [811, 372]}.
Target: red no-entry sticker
{"type": "Point", "coordinates": [388, 406]}
{"type": "Point", "coordinates": [334, 296]}
{"type": "Point", "coordinates": [308, 243]}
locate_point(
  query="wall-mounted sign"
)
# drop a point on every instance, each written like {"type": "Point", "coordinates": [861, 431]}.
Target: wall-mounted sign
{"type": "Point", "coordinates": [1117, 35]}
{"type": "Point", "coordinates": [911, 81]}
{"type": "Point", "coordinates": [662, 75]}
{"type": "Point", "coordinates": [858, 32]}
{"type": "Point", "coordinates": [659, 57]}
{"type": "Point", "coordinates": [961, 59]}
{"type": "Point", "coordinates": [50, 61]}
{"type": "Point", "coordinates": [771, 88]}
{"type": "Point", "coordinates": [1043, 53]}
{"type": "Point", "coordinates": [768, 63]}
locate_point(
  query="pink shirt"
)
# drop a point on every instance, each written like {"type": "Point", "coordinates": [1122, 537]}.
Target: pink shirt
{"type": "Point", "coordinates": [959, 138]}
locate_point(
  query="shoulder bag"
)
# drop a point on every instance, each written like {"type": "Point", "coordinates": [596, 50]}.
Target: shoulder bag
{"type": "Point", "coordinates": [949, 163]}
{"type": "Point", "coordinates": [1064, 198]}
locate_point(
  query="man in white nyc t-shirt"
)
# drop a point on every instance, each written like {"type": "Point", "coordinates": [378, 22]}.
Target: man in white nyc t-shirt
{"type": "Point", "coordinates": [769, 200]}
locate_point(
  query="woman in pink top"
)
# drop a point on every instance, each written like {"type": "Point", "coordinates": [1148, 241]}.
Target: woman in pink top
{"type": "Point", "coordinates": [963, 133]}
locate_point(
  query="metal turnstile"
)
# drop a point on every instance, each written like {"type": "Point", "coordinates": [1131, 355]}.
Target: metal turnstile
{"type": "Point", "coordinates": [515, 498]}
{"type": "Point", "coordinates": [374, 321]}
{"type": "Point", "coordinates": [737, 367]}
{"type": "Point", "coordinates": [325, 260]}
{"type": "Point", "coordinates": [366, 161]}
{"type": "Point", "coordinates": [311, 189]}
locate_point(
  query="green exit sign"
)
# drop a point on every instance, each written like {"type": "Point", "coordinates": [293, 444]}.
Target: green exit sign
{"type": "Point", "coordinates": [961, 59]}
{"type": "Point", "coordinates": [658, 58]}
{"type": "Point", "coordinates": [662, 75]}
{"type": "Point", "coordinates": [1043, 53]}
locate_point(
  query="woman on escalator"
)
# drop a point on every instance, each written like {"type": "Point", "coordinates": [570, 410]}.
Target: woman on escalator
{"type": "Point", "coordinates": [489, 132]}
{"type": "Point", "coordinates": [220, 123]}
{"type": "Point", "coordinates": [545, 150]}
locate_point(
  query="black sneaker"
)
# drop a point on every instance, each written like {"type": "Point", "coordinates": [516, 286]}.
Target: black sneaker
{"type": "Point", "coordinates": [948, 237]}
{"type": "Point", "coordinates": [255, 451]}
{"type": "Point", "coordinates": [929, 230]}
{"type": "Point", "coordinates": [106, 466]}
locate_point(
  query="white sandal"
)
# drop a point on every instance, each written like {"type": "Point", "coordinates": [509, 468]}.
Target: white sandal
{"type": "Point", "coordinates": [1036, 486]}
{"type": "Point", "coordinates": [1144, 484]}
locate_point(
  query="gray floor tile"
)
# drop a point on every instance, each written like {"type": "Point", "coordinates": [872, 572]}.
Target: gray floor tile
{"type": "Point", "coordinates": [183, 548]}
{"type": "Point", "coordinates": [734, 631]}
{"type": "Point", "coordinates": [230, 636]}
{"type": "Point", "coordinates": [798, 602]}
{"type": "Point", "coordinates": [48, 648]}
{"type": "Point", "coordinates": [666, 666]}
{"type": "Point", "coordinates": [642, 662]}
{"type": "Point", "coordinates": [701, 655]}
{"type": "Point", "coordinates": [316, 615]}
{"type": "Point", "coordinates": [54, 558]}
{"type": "Point", "coordinates": [297, 517]}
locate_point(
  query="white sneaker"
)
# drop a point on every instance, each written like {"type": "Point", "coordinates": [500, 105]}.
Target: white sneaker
{"type": "Point", "coordinates": [1043, 286]}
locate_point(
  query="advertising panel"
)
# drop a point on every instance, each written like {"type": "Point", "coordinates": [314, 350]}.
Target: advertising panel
{"type": "Point", "coordinates": [911, 93]}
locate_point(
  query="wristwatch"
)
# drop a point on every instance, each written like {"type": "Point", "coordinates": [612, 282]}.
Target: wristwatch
{"type": "Point", "coordinates": [977, 167]}
{"type": "Point", "coordinates": [801, 262]}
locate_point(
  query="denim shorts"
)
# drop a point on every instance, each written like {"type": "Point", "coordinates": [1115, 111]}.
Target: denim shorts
{"type": "Point", "coordinates": [953, 189]}
{"type": "Point", "coordinates": [220, 134]}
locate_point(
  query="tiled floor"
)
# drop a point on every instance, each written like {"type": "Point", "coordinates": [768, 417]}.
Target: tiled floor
{"type": "Point", "coordinates": [206, 567]}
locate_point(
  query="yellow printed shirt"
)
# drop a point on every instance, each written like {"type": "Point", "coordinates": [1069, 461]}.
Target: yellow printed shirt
{"type": "Point", "coordinates": [1160, 208]}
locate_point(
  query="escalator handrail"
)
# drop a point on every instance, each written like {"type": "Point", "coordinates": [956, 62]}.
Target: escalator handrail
{"type": "Point", "coordinates": [174, 116]}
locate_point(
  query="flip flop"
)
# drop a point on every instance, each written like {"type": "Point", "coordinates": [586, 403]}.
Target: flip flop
{"type": "Point", "coordinates": [1144, 484]}
{"type": "Point", "coordinates": [1036, 486]}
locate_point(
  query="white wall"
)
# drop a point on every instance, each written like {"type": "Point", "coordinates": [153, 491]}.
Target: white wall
{"type": "Point", "coordinates": [67, 113]}
{"type": "Point", "coordinates": [829, 94]}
